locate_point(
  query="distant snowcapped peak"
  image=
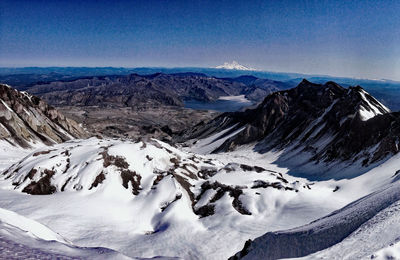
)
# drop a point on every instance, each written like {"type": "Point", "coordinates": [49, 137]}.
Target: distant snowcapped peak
{"type": "Point", "coordinates": [234, 65]}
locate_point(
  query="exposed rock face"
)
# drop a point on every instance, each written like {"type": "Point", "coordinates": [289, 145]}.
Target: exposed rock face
{"type": "Point", "coordinates": [327, 121]}
{"type": "Point", "coordinates": [25, 119]}
{"type": "Point", "coordinates": [150, 90]}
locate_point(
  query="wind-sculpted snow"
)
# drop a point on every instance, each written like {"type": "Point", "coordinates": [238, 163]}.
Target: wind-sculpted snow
{"type": "Point", "coordinates": [148, 198]}
{"type": "Point", "coordinates": [330, 230]}
{"type": "Point", "coordinates": [130, 169]}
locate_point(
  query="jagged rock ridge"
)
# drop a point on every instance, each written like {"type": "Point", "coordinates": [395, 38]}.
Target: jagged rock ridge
{"type": "Point", "coordinates": [26, 119]}
{"type": "Point", "coordinates": [327, 121]}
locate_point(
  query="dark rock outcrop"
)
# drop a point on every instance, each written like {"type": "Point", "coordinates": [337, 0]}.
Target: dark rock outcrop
{"type": "Point", "coordinates": [327, 121]}
{"type": "Point", "coordinates": [25, 119]}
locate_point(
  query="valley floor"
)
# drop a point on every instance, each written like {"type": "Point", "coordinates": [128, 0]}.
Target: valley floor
{"type": "Point", "coordinates": [133, 122]}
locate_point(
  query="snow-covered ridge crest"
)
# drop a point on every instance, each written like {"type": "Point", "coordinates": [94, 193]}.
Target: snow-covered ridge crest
{"type": "Point", "coordinates": [370, 107]}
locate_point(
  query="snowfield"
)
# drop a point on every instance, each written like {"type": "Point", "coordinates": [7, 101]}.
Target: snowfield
{"type": "Point", "coordinates": [374, 217]}
{"type": "Point", "coordinates": [152, 199]}
{"type": "Point", "coordinates": [22, 238]}
{"type": "Point", "coordinates": [149, 199]}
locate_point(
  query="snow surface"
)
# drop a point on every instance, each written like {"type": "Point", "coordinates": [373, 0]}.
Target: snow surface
{"type": "Point", "coordinates": [366, 225]}
{"type": "Point", "coordinates": [111, 216]}
{"type": "Point", "coordinates": [154, 222]}
{"type": "Point", "coordinates": [209, 144]}
{"type": "Point", "coordinates": [10, 154]}
{"type": "Point", "coordinates": [390, 252]}
{"type": "Point", "coordinates": [369, 111]}
{"type": "Point", "coordinates": [376, 238]}
{"type": "Point", "coordinates": [22, 238]}
{"type": "Point", "coordinates": [31, 227]}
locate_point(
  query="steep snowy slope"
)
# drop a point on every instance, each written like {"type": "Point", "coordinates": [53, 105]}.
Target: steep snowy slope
{"type": "Point", "coordinates": [311, 123]}
{"type": "Point", "coordinates": [366, 225]}
{"type": "Point", "coordinates": [370, 240]}
{"type": "Point", "coordinates": [22, 238]}
{"type": "Point", "coordinates": [148, 198]}
{"type": "Point", "coordinates": [27, 121]}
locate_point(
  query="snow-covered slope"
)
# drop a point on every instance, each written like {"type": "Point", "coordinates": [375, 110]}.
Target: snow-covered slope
{"type": "Point", "coordinates": [366, 225]}
{"type": "Point", "coordinates": [32, 228]}
{"type": "Point", "coordinates": [390, 252]}
{"type": "Point", "coordinates": [149, 198]}
{"type": "Point", "coordinates": [23, 238]}
{"type": "Point", "coordinates": [378, 237]}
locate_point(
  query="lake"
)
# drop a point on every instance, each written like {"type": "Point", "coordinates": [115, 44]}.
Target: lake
{"type": "Point", "coordinates": [223, 104]}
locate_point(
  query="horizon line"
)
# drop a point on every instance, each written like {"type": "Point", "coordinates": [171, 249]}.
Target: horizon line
{"type": "Point", "coordinates": [199, 67]}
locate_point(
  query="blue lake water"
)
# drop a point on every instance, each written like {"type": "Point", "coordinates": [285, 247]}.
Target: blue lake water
{"type": "Point", "coordinates": [219, 105]}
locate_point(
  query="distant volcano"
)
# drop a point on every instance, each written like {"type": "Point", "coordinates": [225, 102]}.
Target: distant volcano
{"type": "Point", "coordinates": [234, 65]}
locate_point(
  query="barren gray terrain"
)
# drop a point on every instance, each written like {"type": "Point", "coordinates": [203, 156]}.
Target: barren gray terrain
{"type": "Point", "coordinates": [156, 122]}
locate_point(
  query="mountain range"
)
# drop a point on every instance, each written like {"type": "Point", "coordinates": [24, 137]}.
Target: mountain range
{"type": "Point", "coordinates": [322, 123]}
{"type": "Point", "coordinates": [310, 171]}
{"type": "Point", "coordinates": [156, 89]}
{"type": "Point", "coordinates": [387, 91]}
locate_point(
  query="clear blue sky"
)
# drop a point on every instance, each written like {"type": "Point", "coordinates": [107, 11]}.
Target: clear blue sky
{"type": "Point", "coordinates": [341, 38]}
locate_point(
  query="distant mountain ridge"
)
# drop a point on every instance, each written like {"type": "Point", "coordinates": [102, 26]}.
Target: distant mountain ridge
{"type": "Point", "coordinates": [387, 91]}
{"type": "Point", "coordinates": [148, 90]}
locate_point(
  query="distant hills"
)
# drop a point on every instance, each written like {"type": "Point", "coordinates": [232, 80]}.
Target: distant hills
{"type": "Point", "coordinates": [386, 91]}
{"type": "Point", "coordinates": [152, 90]}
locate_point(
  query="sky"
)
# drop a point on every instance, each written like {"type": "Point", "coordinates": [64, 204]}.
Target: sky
{"type": "Point", "coordinates": [339, 38]}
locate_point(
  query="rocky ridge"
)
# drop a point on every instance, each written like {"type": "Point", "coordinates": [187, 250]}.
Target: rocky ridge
{"type": "Point", "coordinates": [26, 120]}
{"type": "Point", "coordinates": [326, 121]}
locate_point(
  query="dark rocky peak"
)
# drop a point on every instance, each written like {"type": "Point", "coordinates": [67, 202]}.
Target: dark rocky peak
{"type": "Point", "coordinates": [368, 105]}
{"type": "Point", "coordinates": [325, 122]}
